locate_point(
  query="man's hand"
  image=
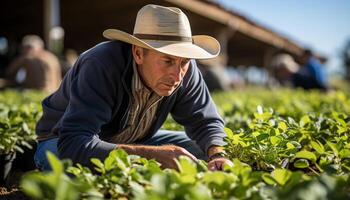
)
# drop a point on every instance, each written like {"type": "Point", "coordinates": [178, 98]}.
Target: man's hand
{"type": "Point", "coordinates": [217, 162]}
{"type": "Point", "coordinates": [168, 154]}
{"type": "Point", "coordinates": [165, 155]}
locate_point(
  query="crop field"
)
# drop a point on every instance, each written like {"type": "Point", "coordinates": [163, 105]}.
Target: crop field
{"type": "Point", "coordinates": [285, 144]}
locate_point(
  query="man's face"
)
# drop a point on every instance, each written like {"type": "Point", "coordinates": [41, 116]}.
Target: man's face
{"type": "Point", "coordinates": [160, 72]}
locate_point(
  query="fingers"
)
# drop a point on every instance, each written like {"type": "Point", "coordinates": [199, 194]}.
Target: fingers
{"type": "Point", "coordinates": [184, 152]}
{"type": "Point", "coordinates": [218, 164]}
{"type": "Point", "coordinates": [168, 154]}
{"type": "Point", "coordinates": [212, 166]}
{"type": "Point", "coordinates": [188, 154]}
{"type": "Point", "coordinates": [215, 166]}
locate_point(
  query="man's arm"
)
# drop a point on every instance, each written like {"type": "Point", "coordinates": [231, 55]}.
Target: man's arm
{"type": "Point", "coordinates": [165, 154]}
{"type": "Point", "coordinates": [92, 93]}
{"type": "Point", "coordinates": [195, 110]}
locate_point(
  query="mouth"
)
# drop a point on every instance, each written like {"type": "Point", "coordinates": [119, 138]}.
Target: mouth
{"type": "Point", "coordinates": [169, 86]}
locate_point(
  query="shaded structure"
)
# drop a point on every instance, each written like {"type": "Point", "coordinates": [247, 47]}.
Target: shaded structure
{"type": "Point", "coordinates": [243, 41]}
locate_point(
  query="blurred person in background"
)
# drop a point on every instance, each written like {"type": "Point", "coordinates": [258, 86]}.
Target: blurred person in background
{"type": "Point", "coordinates": [289, 73]}
{"type": "Point", "coordinates": [314, 71]}
{"type": "Point", "coordinates": [34, 68]}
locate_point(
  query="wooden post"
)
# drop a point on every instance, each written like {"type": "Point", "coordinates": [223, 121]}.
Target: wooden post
{"type": "Point", "coordinates": [51, 18]}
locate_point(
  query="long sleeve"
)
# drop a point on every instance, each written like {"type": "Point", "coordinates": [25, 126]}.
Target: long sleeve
{"type": "Point", "coordinates": [92, 94]}
{"type": "Point", "coordinates": [195, 110]}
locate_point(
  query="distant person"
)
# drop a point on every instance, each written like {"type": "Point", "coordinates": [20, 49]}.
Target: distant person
{"type": "Point", "coordinates": [35, 68]}
{"type": "Point", "coordinates": [314, 71]}
{"type": "Point", "coordinates": [289, 73]}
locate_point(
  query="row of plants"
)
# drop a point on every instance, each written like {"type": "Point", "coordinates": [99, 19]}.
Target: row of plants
{"type": "Point", "coordinates": [19, 112]}
{"type": "Point", "coordinates": [122, 176]}
{"type": "Point", "coordinates": [295, 130]}
{"type": "Point", "coordinates": [285, 144]}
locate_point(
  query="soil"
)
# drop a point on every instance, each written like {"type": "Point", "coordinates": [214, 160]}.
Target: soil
{"type": "Point", "coordinates": [12, 193]}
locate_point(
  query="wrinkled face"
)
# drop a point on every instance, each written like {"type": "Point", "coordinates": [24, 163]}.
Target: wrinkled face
{"type": "Point", "coordinates": [160, 72]}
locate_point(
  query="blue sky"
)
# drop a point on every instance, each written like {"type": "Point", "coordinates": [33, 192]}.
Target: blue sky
{"type": "Point", "coordinates": [322, 25]}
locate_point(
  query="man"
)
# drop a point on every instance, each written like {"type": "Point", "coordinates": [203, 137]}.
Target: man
{"type": "Point", "coordinates": [35, 68]}
{"type": "Point", "coordinates": [119, 93]}
{"type": "Point", "coordinates": [285, 69]}
{"type": "Point", "coordinates": [288, 72]}
{"type": "Point", "coordinates": [313, 70]}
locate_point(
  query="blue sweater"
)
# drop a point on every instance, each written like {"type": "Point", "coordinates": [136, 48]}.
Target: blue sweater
{"type": "Point", "coordinates": [92, 104]}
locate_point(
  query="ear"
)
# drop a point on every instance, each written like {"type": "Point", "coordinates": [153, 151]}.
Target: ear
{"type": "Point", "coordinates": [137, 54]}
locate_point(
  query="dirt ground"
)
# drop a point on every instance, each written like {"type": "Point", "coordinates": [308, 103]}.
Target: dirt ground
{"type": "Point", "coordinates": [12, 193]}
{"type": "Point", "coordinates": [11, 190]}
{"type": "Point", "coordinates": [23, 163]}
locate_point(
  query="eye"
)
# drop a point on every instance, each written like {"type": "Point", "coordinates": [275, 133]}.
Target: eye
{"type": "Point", "coordinates": [168, 62]}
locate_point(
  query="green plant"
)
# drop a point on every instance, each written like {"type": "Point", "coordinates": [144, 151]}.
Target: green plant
{"type": "Point", "coordinates": [19, 113]}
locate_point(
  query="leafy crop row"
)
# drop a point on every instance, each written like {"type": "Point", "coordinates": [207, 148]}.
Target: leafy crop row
{"type": "Point", "coordinates": [284, 144]}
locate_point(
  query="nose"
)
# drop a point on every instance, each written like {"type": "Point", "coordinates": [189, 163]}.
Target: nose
{"type": "Point", "coordinates": [176, 72]}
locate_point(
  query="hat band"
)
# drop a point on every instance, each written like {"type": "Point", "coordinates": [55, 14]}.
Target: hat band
{"type": "Point", "coordinates": [163, 37]}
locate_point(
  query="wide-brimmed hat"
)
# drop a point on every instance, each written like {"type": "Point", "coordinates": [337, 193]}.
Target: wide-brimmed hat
{"type": "Point", "coordinates": [167, 30]}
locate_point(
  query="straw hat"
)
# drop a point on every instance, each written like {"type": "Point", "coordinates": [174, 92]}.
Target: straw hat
{"type": "Point", "coordinates": [167, 30]}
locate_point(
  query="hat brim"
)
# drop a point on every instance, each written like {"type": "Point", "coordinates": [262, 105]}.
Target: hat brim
{"type": "Point", "coordinates": [203, 46]}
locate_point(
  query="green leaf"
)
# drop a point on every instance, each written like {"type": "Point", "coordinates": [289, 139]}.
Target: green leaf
{"type": "Point", "coordinates": [268, 179]}
{"type": "Point", "coordinates": [187, 166]}
{"type": "Point", "coordinates": [281, 176]}
{"type": "Point", "coordinates": [275, 140]}
{"type": "Point", "coordinates": [217, 177]}
{"type": "Point", "coordinates": [306, 155]}
{"type": "Point", "coordinates": [99, 165]}
{"type": "Point", "coordinates": [109, 163]}
{"type": "Point", "coordinates": [55, 163]}
{"type": "Point", "coordinates": [264, 116]}
{"type": "Point", "coordinates": [344, 153]}
{"type": "Point", "coordinates": [188, 169]}
{"type": "Point", "coordinates": [256, 133]}
{"type": "Point", "coordinates": [25, 128]}
{"type": "Point", "coordinates": [282, 126]}
{"type": "Point", "coordinates": [236, 139]}
{"type": "Point", "coordinates": [296, 144]}
{"type": "Point", "coordinates": [262, 137]}
{"type": "Point", "coordinates": [317, 146]}
{"type": "Point", "coordinates": [228, 132]}
{"type": "Point", "coordinates": [333, 147]}
{"type": "Point", "coordinates": [30, 186]}
{"type": "Point", "coordinates": [304, 120]}
{"type": "Point", "coordinates": [301, 163]}
{"type": "Point", "coordinates": [160, 182]}
{"type": "Point", "coordinates": [290, 146]}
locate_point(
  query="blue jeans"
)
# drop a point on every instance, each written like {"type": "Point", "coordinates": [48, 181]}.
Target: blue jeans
{"type": "Point", "coordinates": [162, 137]}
